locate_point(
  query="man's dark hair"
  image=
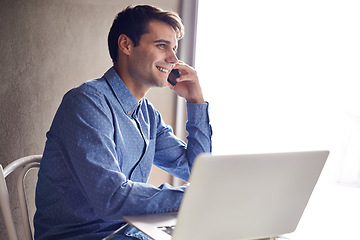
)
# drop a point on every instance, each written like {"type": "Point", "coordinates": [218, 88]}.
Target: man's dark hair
{"type": "Point", "coordinates": [134, 21]}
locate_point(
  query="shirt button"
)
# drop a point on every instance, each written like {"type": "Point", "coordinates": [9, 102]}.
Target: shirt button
{"type": "Point", "coordinates": [129, 112]}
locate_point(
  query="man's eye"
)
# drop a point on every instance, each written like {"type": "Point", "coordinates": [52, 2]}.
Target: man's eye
{"type": "Point", "coordinates": [161, 45]}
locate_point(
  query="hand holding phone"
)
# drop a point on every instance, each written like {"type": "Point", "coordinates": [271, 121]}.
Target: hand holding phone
{"type": "Point", "coordinates": [174, 74]}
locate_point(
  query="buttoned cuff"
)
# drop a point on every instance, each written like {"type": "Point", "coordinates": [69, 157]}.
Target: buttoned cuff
{"type": "Point", "coordinates": [197, 112]}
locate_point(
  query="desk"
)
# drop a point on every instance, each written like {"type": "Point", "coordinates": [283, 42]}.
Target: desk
{"type": "Point", "coordinates": [114, 235]}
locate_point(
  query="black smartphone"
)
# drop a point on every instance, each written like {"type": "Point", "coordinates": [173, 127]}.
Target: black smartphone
{"type": "Point", "coordinates": [174, 74]}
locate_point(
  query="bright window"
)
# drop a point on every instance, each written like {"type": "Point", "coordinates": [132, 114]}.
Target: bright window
{"type": "Point", "coordinates": [284, 76]}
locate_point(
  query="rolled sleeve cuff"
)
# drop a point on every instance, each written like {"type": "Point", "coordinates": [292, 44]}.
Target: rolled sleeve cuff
{"type": "Point", "coordinates": [198, 112]}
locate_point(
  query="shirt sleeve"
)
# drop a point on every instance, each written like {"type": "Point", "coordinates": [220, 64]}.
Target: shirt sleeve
{"type": "Point", "coordinates": [177, 160]}
{"type": "Point", "coordinates": [87, 145]}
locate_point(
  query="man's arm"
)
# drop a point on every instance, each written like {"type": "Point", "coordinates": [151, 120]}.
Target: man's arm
{"type": "Point", "coordinates": [198, 126]}
{"type": "Point", "coordinates": [178, 161]}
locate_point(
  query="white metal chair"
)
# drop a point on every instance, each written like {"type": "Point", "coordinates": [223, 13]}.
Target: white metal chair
{"type": "Point", "coordinates": [24, 164]}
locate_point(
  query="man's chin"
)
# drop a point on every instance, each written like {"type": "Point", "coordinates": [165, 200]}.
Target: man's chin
{"type": "Point", "coordinates": [162, 83]}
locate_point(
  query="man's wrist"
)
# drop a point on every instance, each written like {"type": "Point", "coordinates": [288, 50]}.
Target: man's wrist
{"type": "Point", "coordinates": [197, 100]}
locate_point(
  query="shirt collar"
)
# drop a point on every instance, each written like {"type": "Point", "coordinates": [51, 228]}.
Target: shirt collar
{"type": "Point", "coordinates": [126, 99]}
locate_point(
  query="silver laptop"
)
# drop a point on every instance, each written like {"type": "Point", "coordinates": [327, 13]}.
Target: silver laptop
{"type": "Point", "coordinates": [249, 196]}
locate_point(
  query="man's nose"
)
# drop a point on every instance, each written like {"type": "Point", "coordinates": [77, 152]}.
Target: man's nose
{"type": "Point", "coordinates": [172, 58]}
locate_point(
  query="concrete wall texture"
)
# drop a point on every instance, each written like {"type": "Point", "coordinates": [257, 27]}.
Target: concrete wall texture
{"type": "Point", "coordinates": [46, 48]}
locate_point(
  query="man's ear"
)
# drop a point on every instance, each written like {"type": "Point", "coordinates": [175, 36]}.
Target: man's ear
{"type": "Point", "coordinates": [124, 44]}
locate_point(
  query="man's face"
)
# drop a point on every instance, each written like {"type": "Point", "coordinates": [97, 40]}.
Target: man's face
{"type": "Point", "coordinates": [153, 58]}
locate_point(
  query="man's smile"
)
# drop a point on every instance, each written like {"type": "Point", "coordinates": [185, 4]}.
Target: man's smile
{"type": "Point", "coordinates": [161, 69]}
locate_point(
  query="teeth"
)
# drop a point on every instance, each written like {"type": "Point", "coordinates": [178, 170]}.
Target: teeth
{"type": "Point", "coordinates": [163, 69]}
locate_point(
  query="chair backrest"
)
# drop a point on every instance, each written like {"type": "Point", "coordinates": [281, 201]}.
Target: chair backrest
{"type": "Point", "coordinates": [24, 165]}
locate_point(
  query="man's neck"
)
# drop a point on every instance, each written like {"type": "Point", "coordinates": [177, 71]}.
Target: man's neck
{"type": "Point", "coordinates": [138, 91]}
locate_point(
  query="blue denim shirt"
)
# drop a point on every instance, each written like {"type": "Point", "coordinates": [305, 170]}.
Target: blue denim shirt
{"type": "Point", "coordinates": [98, 156]}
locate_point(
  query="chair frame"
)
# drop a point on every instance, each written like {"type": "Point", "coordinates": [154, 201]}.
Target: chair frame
{"type": "Point", "coordinates": [25, 164]}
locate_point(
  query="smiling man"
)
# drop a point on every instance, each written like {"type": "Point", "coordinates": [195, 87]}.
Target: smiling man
{"type": "Point", "coordinates": [106, 136]}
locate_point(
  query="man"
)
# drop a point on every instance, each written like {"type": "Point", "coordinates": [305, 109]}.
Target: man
{"type": "Point", "coordinates": [106, 135]}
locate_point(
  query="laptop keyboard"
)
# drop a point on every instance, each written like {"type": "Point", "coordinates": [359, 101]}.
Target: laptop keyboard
{"type": "Point", "coordinates": [168, 229]}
